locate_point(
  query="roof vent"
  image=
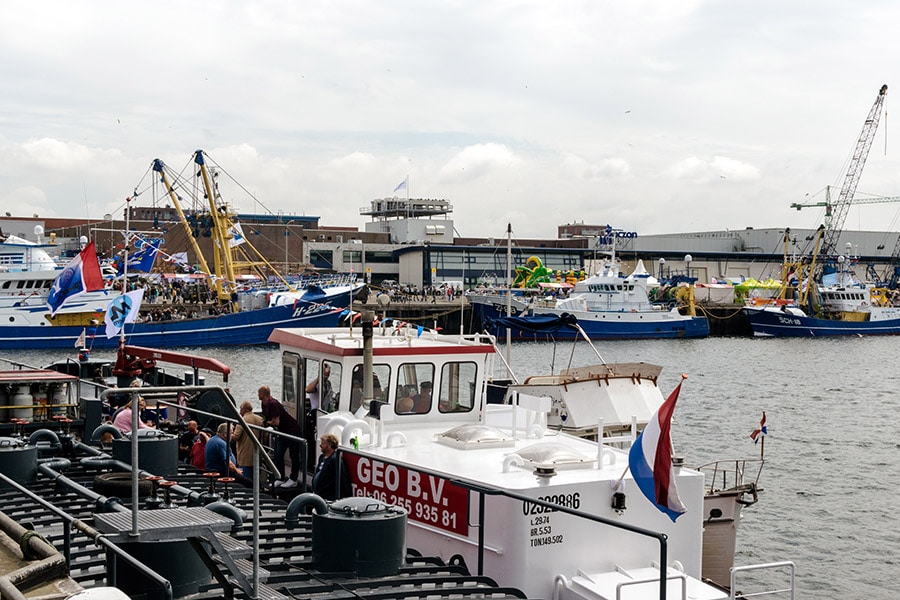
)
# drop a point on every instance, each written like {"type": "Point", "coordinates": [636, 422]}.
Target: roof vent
{"type": "Point", "coordinates": [468, 437]}
{"type": "Point", "coordinates": [555, 456]}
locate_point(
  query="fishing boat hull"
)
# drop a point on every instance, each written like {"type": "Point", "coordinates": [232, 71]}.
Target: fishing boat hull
{"type": "Point", "coordinates": [778, 322]}
{"type": "Point", "coordinates": [246, 328]}
{"type": "Point", "coordinates": [598, 325]}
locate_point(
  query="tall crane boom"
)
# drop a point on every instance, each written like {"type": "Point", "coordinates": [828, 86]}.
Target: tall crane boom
{"type": "Point", "coordinates": [829, 205]}
{"type": "Point", "coordinates": [854, 171]}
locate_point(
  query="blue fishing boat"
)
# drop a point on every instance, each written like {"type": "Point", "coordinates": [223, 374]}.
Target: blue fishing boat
{"type": "Point", "coordinates": [244, 328]}
{"type": "Point", "coordinates": [837, 305]}
{"type": "Point", "coordinates": [607, 306]}
{"type": "Point", "coordinates": [72, 306]}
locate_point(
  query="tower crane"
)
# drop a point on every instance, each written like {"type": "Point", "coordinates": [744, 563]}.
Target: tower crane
{"type": "Point", "coordinates": [891, 276]}
{"type": "Point", "coordinates": [854, 171]}
{"type": "Point", "coordinates": [829, 206]}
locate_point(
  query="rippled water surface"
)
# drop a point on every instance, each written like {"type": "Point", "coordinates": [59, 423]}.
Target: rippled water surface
{"type": "Point", "coordinates": [832, 452]}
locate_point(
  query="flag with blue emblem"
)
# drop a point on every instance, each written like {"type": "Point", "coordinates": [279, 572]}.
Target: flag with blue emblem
{"type": "Point", "coordinates": [143, 257]}
{"type": "Point", "coordinates": [122, 309]}
{"type": "Point", "coordinates": [81, 275]}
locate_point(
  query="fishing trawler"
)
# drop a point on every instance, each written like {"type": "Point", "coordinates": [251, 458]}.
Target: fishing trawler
{"type": "Point", "coordinates": [608, 305]}
{"type": "Point", "coordinates": [838, 305]}
{"type": "Point", "coordinates": [240, 315]}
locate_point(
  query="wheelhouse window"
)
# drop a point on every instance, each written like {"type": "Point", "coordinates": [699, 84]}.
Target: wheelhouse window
{"type": "Point", "coordinates": [457, 392]}
{"type": "Point", "coordinates": [381, 382]}
{"type": "Point", "coordinates": [415, 382]}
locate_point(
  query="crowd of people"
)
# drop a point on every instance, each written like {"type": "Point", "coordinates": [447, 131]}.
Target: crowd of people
{"type": "Point", "coordinates": [228, 450]}
{"type": "Point", "coordinates": [427, 293]}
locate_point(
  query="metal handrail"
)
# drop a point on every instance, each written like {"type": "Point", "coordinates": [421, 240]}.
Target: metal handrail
{"type": "Point", "coordinates": [775, 565]}
{"type": "Point", "coordinates": [97, 537]}
{"type": "Point", "coordinates": [484, 490]}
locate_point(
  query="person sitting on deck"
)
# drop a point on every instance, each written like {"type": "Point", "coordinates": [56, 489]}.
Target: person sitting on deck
{"type": "Point", "coordinates": [198, 449]}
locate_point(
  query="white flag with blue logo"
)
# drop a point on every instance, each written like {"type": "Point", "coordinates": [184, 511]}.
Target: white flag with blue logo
{"type": "Point", "coordinates": [122, 309]}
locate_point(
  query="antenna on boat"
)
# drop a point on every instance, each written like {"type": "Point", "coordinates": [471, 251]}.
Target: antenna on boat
{"type": "Point", "coordinates": [508, 288]}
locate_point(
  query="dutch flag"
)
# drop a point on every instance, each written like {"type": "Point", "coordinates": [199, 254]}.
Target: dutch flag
{"type": "Point", "coordinates": [650, 459]}
{"type": "Point", "coordinates": [761, 431]}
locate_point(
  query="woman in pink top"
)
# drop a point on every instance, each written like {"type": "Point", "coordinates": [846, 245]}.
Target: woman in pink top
{"type": "Point", "coordinates": [123, 418]}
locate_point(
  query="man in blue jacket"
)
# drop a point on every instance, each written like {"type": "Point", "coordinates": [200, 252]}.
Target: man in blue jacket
{"type": "Point", "coordinates": [219, 458]}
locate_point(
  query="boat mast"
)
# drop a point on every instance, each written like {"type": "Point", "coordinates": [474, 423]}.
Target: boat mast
{"type": "Point", "coordinates": [159, 167]}
{"type": "Point", "coordinates": [224, 249]}
{"type": "Point", "coordinates": [508, 287]}
{"type": "Point", "coordinates": [226, 282]}
{"type": "Point", "coordinates": [807, 291]}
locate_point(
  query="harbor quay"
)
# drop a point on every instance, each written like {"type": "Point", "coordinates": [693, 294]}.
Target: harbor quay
{"type": "Point", "coordinates": [724, 319]}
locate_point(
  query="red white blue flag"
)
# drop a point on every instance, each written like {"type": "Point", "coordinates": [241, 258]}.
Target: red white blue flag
{"type": "Point", "coordinates": [650, 460]}
{"type": "Point", "coordinates": [81, 275]}
{"type": "Point", "coordinates": [761, 431]}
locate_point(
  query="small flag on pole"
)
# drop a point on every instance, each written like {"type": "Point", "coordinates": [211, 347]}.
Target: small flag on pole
{"type": "Point", "coordinates": [403, 184]}
{"type": "Point", "coordinates": [81, 341]}
{"type": "Point", "coordinates": [761, 431]}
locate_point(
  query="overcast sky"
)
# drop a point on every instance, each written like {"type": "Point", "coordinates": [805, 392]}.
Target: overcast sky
{"type": "Point", "coordinates": [655, 116]}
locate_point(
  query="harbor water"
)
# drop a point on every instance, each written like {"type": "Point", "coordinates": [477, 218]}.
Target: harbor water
{"type": "Point", "coordinates": [832, 453]}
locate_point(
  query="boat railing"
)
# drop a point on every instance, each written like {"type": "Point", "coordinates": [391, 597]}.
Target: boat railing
{"type": "Point", "coordinates": [483, 490]}
{"type": "Point", "coordinates": [733, 475]}
{"type": "Point", "coordinates": [68, 522]}
{"type": "Point", "coordinates": [735, 571]}
{"type": "Point", "coordinates": [263, 435]}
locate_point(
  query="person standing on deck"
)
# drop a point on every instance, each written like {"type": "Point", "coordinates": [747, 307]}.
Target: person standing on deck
{"type": "Point", "coordinates": [186, 440]}
{"type": "Point", "coordinates": [242, 442]}
{"type": "Point", "coordinates": [325, 480]}
{"type": "Point", "coordinates": [276, 416]}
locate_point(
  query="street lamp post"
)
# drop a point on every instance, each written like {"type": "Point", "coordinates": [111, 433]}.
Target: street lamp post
{"type": "Point", "coordinates": [287, 234]}
{"type": "Point", "coordinates": [692, 310]}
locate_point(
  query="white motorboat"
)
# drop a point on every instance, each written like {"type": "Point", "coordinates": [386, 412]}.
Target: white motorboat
{"type": "Point", "coordinates": [523, 488]}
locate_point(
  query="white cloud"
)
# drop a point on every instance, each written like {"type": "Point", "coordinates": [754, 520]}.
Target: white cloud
{"type": "Point", "coordinates": [697, 170]}
{"type": "Point", "coordinates": [477, 161]}
{"type": "Point", "coordinates": [608, 112]}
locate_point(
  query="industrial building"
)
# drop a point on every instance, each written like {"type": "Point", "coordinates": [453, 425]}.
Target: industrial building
{"type": "Point", "coordinates": [414, 241]}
